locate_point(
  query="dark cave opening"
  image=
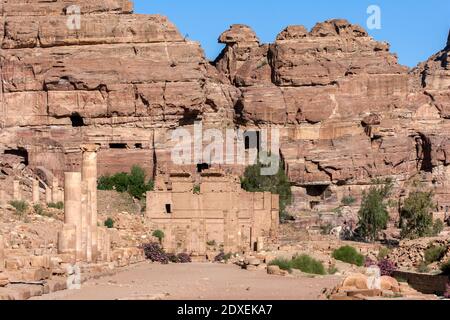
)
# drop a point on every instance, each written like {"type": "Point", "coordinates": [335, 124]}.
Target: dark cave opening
{"type": "Point", "coordinates": [21, 153]}
{"type": "Point", "coordinates": [77, 120]}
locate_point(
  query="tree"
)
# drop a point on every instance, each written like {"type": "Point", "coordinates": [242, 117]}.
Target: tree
{"type": "Point", "coordinates": [374, 215]}
{"type": "Point", "coordinates": [159, 235]}
{"type": "Point", "coordinates": [253, 181]}
{"type": "Point", "coordinates": [416, 215]}
{"type": "Point", "coordinates": [137, 186]}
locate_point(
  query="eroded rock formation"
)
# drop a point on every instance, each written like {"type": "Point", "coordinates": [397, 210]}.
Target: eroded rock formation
{"type": "Point", "coordinates": [347, 110]}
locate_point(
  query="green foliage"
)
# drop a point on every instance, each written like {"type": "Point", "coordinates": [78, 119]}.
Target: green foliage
{"type": "Point", "coordinates": [20, 206]}
{"type": "Point", "coordinates": [438, 227]}
{"type": "Point", "coordinates": [348, 201]}
{"type": "Point", "coordinates": [109, 223]}
{"type": "Point", "coordinates": [434, 254]}
{"type": "Point", "coordinates": [374, 215]}
{"type": "Point", "coordinates": [159, 235]}
{"type": "Point", "coordinates": [196, 189]}
{"type": "Point", "coordinates": [211, 243]}
{"type": "Point", "coordinates": [416, 215]}
{"type": "Point", "coordinates": [445, 268]}
{"type": "Point", "coordinates": [307, 264]}
{"type": "Point", "coordinates": [423, 268]}
{"type": "Point", "coordinates": [283, 264]}
{"type": "Point", "coordinates": [383, 253]}
{"type": "Point", "coordinates": [38, 210]}
{"type": "Point", "coordinates": [57, 205]}
{"type": "Point", "coordinates": [253, 181]}
{"type": "Point", "coordinates": [134, 183]}
{"type": "Point", "coordinates": [350, 255]}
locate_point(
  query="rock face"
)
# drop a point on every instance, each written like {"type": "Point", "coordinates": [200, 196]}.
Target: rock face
{"type": "Point", "coordinates": [347, 111]}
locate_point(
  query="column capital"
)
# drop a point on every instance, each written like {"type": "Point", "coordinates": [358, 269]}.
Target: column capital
{"type": "Point", "coordinates": [90, 147]}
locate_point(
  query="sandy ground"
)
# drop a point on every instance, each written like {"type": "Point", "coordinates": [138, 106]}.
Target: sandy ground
{"type": "Point", "coordinates": [196, 281]}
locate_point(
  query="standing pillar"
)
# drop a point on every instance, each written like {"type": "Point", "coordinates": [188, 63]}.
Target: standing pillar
{"type": "Point", "coordinates": [35, 191]}
{"type": "Point", "coordinates": [89, 176]}
{"type": "Point", "coordinates": [72, 206]}
{"type": "Point", "coordinates": [55, 190]}
{"type": "Point", "coordinates": [48, 195]}
{"type": "Point", "coordinates": [16, 190]}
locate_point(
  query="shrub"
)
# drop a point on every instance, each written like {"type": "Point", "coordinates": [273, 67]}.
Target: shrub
{"type": "Point", "coordinates": [137, 185]}
{"type": "Point", "coordinates": [387, 267]}
{"type": "Point", "coordinates": [57, 205]}
{"type": "Point", "coordinates": [134, 183]}
{"type": "Point", "coordinates": [307, 264]}
{"type": "Point", "coordinates": [20, 206]}
{"type": "Point", "coordinates": [105, 183]}
{"type": "Point", "coordinates": [222, 257]}
{"type": "Point", "coordinates": [159, 235]}
{"type": "Point", "coordinates": [283, 264]}
{"type": "Point", "coordinates": [416, 215]}
{"type": "Point", "coordinates": [196, 189]}
{"type": "Point", "coordinates": [350, 255]}
{"type": "Point", "coordinates": [373, 215]}
{"type": "Point", "coordinates": [445, 268]}
{"type": "Point", "coordinates": [155, 253]}
{"type": "Point", "coordinates": [109, 223]}
{"type": "Point", "coordinates": [253, 181]}
{"type": "Point", "coordinates": [348, 201]}
{"type": "Point", "coordinates": [438, 227]}
{"type": "Point", "coordinates": [383, 253]}
{"type": "Point", "coordinates": [173, 258]}
{"type": "Point", "coordinates": [434, 254]}
{"type": "Point", "coordinates": [423, 268]}
{"type": "Point", "coordinates": [38, 210]}
{"type": "Point", "coordinates": [184, 258]}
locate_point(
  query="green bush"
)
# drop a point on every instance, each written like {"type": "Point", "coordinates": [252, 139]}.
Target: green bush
{"type": "Point", "coordinates": [20, 206]}
{"type": "Point", "coordinates": [383, 253]}
{"type": "Point", "coordinates": [58, 205]}
{"type": "Point", "coordinates": [348, 201]}
{"type": "Point", "coordinates": [445, 268]}
{"type": "Point", "coordinates": [374, 215]}
{"type": "Point", "coordinates": [307, 264]}
{"type": "Point", "coordinates": [253, 181]}
{"type": "Point", "coordinates": [283, 264]}
{"type": "Point", "coordinates": [134, 183]}
{"type": "Point", "coordinates": [438, 227]}
{"type": "Point", "coordinates": [38, 210]}
{"type": "Point", "coordinates": [159, 235]}
{"type": "Point", "coordinates": [109, 223]}
{"type": "Point", "coordinates": [423, 268]}
{"type": "Point", "coordinates": [350, 255]}
{"type": "Point", "coordinates": [416, 215]}
{"type": "Point", "coordinates": [196, 189]}
{"type": "Point", "coordinates": [434, 254]}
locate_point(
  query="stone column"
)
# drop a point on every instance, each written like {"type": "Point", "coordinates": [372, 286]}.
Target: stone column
{"type": "Point", "coordinates": [55, 190]}
{"type": "Point", "coordinates": [89, 175]}
{"type": "Point", "coordinates": [16, 190]}
{"type": "Point", "coordinates": [67, 241]}
{"type": "Point", "coordinates": [2, 254]}
{"type": "Point", "coordinates": [84, 221]}
{"type": "Point", "coordinates": [35, 191]}
{"type": "Point", "coordinates": [48, 195]}
{"type": "Point", "coordinates": [72, 205]}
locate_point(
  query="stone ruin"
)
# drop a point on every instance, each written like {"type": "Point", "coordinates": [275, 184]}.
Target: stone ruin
{"type": "Point", "coordinates": [211, 209]}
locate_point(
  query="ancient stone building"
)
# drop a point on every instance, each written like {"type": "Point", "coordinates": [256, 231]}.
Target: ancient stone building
{"type": "Point", "coordinates": [211, 209]}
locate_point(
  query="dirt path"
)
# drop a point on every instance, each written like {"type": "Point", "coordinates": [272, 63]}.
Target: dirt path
{"type": "Point", "coordinates": [196, 282]}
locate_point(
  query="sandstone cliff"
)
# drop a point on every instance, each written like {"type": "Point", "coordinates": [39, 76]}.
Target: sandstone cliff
{"type": "Point", "coordinates": [347, 110]}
